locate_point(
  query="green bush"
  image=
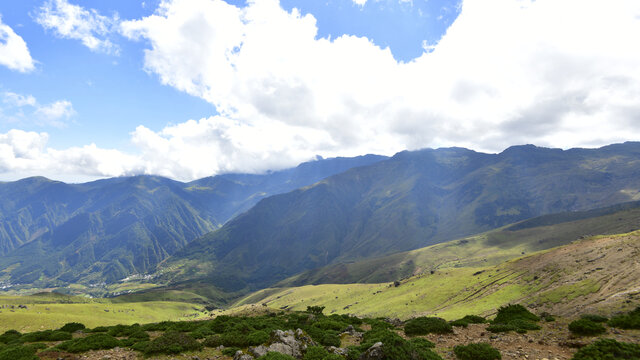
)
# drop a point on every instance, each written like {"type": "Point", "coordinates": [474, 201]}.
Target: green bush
{"type": "Point", "coordinates": [46, 335]}
{"type": "Point", "coordinates": [627, 321]}
{"type": "Point", "coordinates": [586, 327]}
{"type": "Point", "coordinates": [422, 343]}
{"type": "Point", "coordinates": [172, 342]}
{"type": "Point", "coordinates": [459, 323]}
{"type": "Point", "coordinates": [212, 341]}
{"type": "Point", "coordinates": [230, 351]}
{"type": "Point", "coordinates": [257, 338]}
{"type": "Point", "coordinates": [140, 346]}
{"type": "Point", "coordinates": [317, 310]}
{"type": "Point", "coordinates": [514, 317]}
{"type": "Point", "coordinates": [608, 349]}
{"type": "Point", "coordinates": [512, 312]}
{"type": "Point", "coordinates": [315, 353]}
{"type": "Point", "coordinates": [394, 346]}
{"type": "Point", "coordinates": [275, 356]}
{"type": "Point", "coordinates": [98, 341]}
{"type": "Point", "coordinates": [18, 352]}
{"type": "Point", "coordinates": [99, 329]}
{"type": "Point", "coordinates": [595, 318]}
{"type": "Point", "coordinates": [427, 325]}
{"type": "Point", "coordinates": [481, 351]}
{"type": "Point", "coordinates": [124, 330]}
{"type": "Point", "coordinates": [201, 332]}
{"type": "Point", "coordinates": [498, 328]}
{"type": "Point", "coordinates": [330, 339]}
{"type": "Point", "coordinates": [10, 337]}
{"type": "Point", "coordinates": [474, 319]}
{"type": "Point", "coordinates": [72, 327]}
{"type": "Point", "coordinates": [139, 336]}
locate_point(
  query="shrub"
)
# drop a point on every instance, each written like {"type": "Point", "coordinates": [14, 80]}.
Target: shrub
{"type": "Point", "coordinates": [459, 323]}
{"type": "Point", "coordinates": [421, 343]}
{"type": "Point", "coordinates": [608, 349]}
{"type": "Point", "coordinates": [514, 317]}
{"type": "Point", "coordinates": [327, 324]}
{"type": "Point", "coordinates": [257, 338]}
{"type": "Point", "coordinates": [139, 336]}
{"type": "Point", "coordinates": [512, 312]}
{"type": "Point", "coordinates": [201, 332]}
{"type": "Point", "coordinates": [481, 351]}
{"type": "Point", "coordinates": [627, 321]}
{"type": "Point", "coordinates": [98, 341]}
{"type": "Point", "coordinates": [315, 353]}
{"type": "Point", "coordinates": [474, 319]}
{"type": "Point", "coordinates": [18, 352]}
{"type": "Point", "coordinates": [10, 337]}
{"type": "Point", "coordinates": [427, 325]}
{"type": "Point", "coordinates": [140, 346]}
{"type": "Point", "coordinates": [212, 341]}
{"type": "Point", "coordinates": [99, 329]}
{"type": "Point", "coordinates": [230, 351]}
{"type": "Point", "coordinates": [497, 328]}
{"type": "Point", "coordinates": [330, 339]}
{"type": "Point", "coordinates": [595, 318]}
{"type": "Point", "coordinates": [317, 310]}
{"type": "Point", "coordinates": [124, 330]}
{"type": "Point", "coordinates": [586, 327]}
{"type": "Point", "coordinates": [275, 356]}
{"type": "Point", "coordinates": [172, 342]}
{"type": "Point", "coordinates": [394, 346]}
{"type": "Point", "coordinates": [72, 327]}
{"type": "Point", "coordinates": [46, 335]}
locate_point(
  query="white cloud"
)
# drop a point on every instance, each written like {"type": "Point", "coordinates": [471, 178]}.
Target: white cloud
{"type": "Point", "coordinates": [25, 108]}
{"type": "Point", "coordinates": [25, 153]}
{"type": "Point", "coordinates": [360, 2]}
{"type": "Point", "coordinates": [507, 71]}
{"type": "Point", "coordinates": [14, 52]}
{"type": "Point", "coordinates": [75, 22]}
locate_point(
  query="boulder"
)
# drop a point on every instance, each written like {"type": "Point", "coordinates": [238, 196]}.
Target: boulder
{"type": "Point", "coordinates": [242, 356]}
{"type": "Point", "coordinates": [375, 352]}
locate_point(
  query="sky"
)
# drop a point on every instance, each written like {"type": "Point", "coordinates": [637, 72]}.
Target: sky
{"type": "Point", "coordinates": [193, 88]}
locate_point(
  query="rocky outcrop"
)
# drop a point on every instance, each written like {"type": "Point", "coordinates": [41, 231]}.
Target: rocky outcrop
{"type": "Point", "coordinates": [292, 343]}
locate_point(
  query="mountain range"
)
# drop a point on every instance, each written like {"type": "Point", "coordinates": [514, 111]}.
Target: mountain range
{"type": "Point", "coordinates": [52, 233]}
{"type": "Point", "coordinates": [235, 233]}
{"type": "Point", "coordinates": [411, 200]}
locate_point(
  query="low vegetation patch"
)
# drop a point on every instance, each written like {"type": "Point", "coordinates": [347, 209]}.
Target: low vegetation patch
{"type": "Point", "coordinates": [427, 325]}
{"type": "Point", "coordinates": [608, 349]}
{"type": "Point", "coordinates": [469, 319]}
{"type": "Point", "coordinates": [514, 317]}
{"type": "Point", "coordinates": [627, 321]}
{"type": "Point", "coordinates": [586, 327]}
{"type": "Point", "coordinates": [171, 342]}
{"type": "Point", "coordinates": [72, 327]}
{"type": "Point", "coordinates": [18, 352]}
{"type": "Point", "coordinates": [481, 351]}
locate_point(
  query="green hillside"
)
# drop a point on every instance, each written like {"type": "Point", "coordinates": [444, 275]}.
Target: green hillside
{"type": "Point", "coordinates": [412, 200]}
{"type": "Point", "coordinates": [597, 275]}
{"type": "Point", "coordinates": [490, 248]}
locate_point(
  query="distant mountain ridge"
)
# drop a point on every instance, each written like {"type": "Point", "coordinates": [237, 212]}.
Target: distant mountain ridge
{"type": "Point", "coordinates": [105, 230]}
{"type": "Point", "coordinates": [411, 200]}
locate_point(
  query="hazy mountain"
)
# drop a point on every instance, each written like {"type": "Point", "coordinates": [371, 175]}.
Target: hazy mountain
{"type": "Point", "coordinates": [107, 229]}
{"type": "Point", "coordinates": [409, 201]}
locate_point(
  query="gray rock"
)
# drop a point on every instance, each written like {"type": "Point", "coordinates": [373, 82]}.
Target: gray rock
{"type": "Point", "coordinates": [258, 351]}
{"type": "Point", "coordinates": [242, 356]}
{"type": "Point", "coordinates": [338, 351]}
{"type": "Point", "coordinates": [285, 349]}
{"type": "Point", "coordinates": [375, 352]}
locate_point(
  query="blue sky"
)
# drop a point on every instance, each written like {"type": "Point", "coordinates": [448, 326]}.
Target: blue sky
{"type": "Point", "coordinates": [191, 88]}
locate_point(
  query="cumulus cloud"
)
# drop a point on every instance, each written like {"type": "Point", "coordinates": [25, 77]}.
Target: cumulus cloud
{"type": "Point", "coordinates": [26, 109]}
{"type": "Point", "coordinates": [14, 52]}
{"type": "Point", "coordinates": [75, 22]}
{"type": "Point", "coordinates": [506, 72]}
{"type": "Point", "coordinates": [497, 76]}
